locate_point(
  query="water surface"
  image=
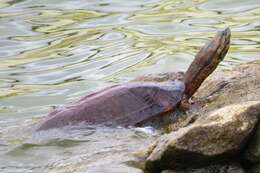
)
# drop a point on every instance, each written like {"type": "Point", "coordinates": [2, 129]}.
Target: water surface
{"type": "Point", "coordinates": [52, 52]}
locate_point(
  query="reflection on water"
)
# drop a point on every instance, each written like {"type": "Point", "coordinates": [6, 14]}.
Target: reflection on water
{"type": "Point", "coordinates": [54, 51]}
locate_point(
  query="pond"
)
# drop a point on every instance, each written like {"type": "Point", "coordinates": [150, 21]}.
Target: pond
{"type": "Point", "coordinates": [52, 52]}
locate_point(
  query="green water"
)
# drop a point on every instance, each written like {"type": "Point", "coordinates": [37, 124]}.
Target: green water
{"type": "Point", "coordinates": [54, 51]}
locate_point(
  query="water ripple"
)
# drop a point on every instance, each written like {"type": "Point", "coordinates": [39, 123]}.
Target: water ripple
{"type": "Point", "coordinates": [53, 52]}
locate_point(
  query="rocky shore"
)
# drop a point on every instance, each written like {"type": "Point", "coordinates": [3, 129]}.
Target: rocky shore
{"type": "Point", "coordinates": [221, 134]}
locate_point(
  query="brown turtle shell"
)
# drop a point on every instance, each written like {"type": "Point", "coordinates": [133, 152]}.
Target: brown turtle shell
{"type": "Point", "coordinates": [121, 105]}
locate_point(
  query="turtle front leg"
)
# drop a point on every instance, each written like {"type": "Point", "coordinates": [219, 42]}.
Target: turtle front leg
{"type": "Point", "coordinates": [185, 103]}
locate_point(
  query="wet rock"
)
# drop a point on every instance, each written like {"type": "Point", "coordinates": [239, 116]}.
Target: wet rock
{"type": "Point", "coordinates": [253, 150]}
{"type": "Point", "coordinates": [216, 137]}
{"type": "Point", "coordinates": [111, 168]}
{"type": "Point", "coordinates": [180, 121]}
{"type": "Point", "coordinates": [212, 169]}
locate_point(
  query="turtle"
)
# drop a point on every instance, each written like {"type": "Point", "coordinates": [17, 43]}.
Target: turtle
{"type": "Point", "coordinates": [148, 96]}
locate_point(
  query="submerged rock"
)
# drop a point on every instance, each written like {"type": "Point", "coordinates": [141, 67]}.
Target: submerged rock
{"type": "Point", "coordinates": [213, 138]}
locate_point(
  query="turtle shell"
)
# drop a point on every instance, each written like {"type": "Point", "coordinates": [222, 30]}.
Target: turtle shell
{"type": "Point", "coordinates": [121, 105]}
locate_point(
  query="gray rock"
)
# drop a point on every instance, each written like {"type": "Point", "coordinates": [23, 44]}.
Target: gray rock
{"type": "Point", "coordinates": [234, 86]}
{"type": "Point", "coordinates": [213, 138]}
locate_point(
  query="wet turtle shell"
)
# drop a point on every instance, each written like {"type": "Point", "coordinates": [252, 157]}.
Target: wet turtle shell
{"type": "Point", "coordinates": [121, 105]}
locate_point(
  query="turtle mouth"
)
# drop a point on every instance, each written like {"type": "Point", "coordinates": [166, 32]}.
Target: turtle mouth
{"type": "Point", "coordinates": [226, 34]}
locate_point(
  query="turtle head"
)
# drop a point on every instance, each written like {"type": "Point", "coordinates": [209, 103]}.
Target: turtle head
{"type": "Point", "coordinates": [206, 61]}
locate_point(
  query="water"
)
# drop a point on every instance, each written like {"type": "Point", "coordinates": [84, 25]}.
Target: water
{"type": "Point", "coordinates": [54, 51]}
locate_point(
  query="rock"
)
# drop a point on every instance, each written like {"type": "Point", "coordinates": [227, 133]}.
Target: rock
{"type": "Point", "coordinates": [213, 169]}
{"type": "Point", "coordinates": [111, 168]}
{"type": "Point", "coordinates": [234, 86]}
{"type": "Point", "coordinates": [254, 169]}
{"type": "Point", "coordinates": [226, 87]}
{"type": "Point", "coordinates": [253, 150]}
{"type": "Point", "coordinates": [216, 137]}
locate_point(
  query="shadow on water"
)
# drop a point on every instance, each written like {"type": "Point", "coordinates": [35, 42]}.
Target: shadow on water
{"type": "Point", "coordinates": [53, 52]}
